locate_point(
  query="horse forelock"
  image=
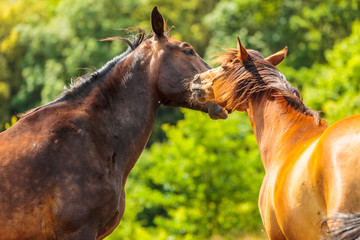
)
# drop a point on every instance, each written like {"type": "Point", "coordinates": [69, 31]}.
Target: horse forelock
{"type": "Point", "coordinates": [245, 81]}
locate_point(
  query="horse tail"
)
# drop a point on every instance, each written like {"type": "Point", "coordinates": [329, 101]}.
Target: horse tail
{"type": "Point", "coordinates": [342, 227]}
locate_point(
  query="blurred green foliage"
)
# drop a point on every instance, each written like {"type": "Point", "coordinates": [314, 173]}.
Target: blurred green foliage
{"type": "Point", "coordinates": [334, 87]}
{"type": "Point", "coordinates": [57, 46]}
{"type": "Point", "coordinates": [199, 178]}
{"type": "Point", "coordinates": [307, 27]}
{"type": "Point", "coordinates": [203, 181]}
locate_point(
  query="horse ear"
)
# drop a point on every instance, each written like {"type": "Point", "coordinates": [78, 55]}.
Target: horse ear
{"type": "Point", "coordinates": [277, 58]}
{"type": "Point", "coordinates": [243, 54]}
{"type": "Point", "coordinates": [157, 22]}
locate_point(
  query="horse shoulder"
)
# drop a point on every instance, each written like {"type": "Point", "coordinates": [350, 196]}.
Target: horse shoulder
{"type": "Point", "coordinates": [289, 196]}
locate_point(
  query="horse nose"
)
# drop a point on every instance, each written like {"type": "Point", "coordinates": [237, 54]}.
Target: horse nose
{"type": "Point", "coordinates": [196, 83]}
{"type": "Point", "coordinates": [198, 92]}
{"type": "Point", "coordinates": [197, 76]}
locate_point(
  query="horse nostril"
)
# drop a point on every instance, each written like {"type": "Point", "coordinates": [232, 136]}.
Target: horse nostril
{"type": "Point", "coordinates": [197, 76]}
{"type": "Point", "coordinates": [194, 87]}
{"type": "Point", "coordinates": [199, 95]}
{"type": "Point", "coordinates": [196, 83]}
{"type": "Point", "coordinates": [197, 90]}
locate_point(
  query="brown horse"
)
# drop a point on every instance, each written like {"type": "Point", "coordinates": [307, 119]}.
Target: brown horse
{"type": "Point", "coordinates": [311, 189]}
{"type": "Point", "coordinates": [63, 166]}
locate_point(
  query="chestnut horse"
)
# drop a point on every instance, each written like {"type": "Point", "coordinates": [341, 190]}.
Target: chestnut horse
{"type": "Point", "coordinates": [311, 189]}
{"type": "Point", "coordinates": [63, 166]}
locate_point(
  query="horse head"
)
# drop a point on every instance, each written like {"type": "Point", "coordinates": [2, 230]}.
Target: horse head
{"type": "Point", "coordinates": [172, 67]}
{"type": "Point", "coordinates": [240, 75]}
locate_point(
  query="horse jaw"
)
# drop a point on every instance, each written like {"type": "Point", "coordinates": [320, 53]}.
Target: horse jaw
{"type": "Point", "coordinates": [216, 112]}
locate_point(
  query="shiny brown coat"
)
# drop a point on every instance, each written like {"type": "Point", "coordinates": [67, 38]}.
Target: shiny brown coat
{"type": "Point", "coordinates": [63, 166]}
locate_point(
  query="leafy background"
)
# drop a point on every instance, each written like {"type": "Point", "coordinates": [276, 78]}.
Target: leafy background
{"type": "Point", "coordinates": [198, 178]}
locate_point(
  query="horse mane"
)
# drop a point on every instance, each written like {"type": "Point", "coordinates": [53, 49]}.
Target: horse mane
{"type": "Point", "coordinates": [78, 88]}
{"type": "Point", "coordinates": [82, 85]}
{"type": "Point", "coordinates": [251, 79]}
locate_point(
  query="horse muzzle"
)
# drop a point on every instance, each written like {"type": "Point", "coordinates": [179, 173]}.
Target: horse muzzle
{"type": "Point", "coordinates": [198, 93]}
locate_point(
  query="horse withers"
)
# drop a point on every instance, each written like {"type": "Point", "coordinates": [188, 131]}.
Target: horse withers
{"type": "Point", "coordinates": [311, 189]}
{"type": "Point", "coordinates": [63, 166]}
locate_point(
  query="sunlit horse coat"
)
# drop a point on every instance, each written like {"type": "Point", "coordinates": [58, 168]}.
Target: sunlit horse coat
{"type": "Point", "coordinates": [312, 184]}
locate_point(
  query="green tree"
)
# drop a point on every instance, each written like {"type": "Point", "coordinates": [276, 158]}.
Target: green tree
{"type": "Point", "coordinates": [11, 53]}
{"type": "Point", "coordinates": [203, 181]}
{"type": "Point", "coordinates": [307, 27]}
{"type": "Point", "coordinates": [333, 87]}
{"type": "Point", "coordinates": [57, 48]}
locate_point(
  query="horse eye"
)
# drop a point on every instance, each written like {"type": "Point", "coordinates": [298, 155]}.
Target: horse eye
{"type": "Point", "coordinates": [189, 51]}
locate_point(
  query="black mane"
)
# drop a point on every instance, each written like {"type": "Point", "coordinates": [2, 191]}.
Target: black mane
{"type": "Point", "coordinates": [84, 84]}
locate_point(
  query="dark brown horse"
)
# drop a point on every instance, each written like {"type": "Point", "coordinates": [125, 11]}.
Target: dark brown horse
{"type": "Point", "coordinates": [63, 166]}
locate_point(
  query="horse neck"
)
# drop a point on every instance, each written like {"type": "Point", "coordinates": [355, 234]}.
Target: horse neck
{"type": "Point", "coordinates": [124, 109]}
{"type": "Point", "coordinates": [278, 127]}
